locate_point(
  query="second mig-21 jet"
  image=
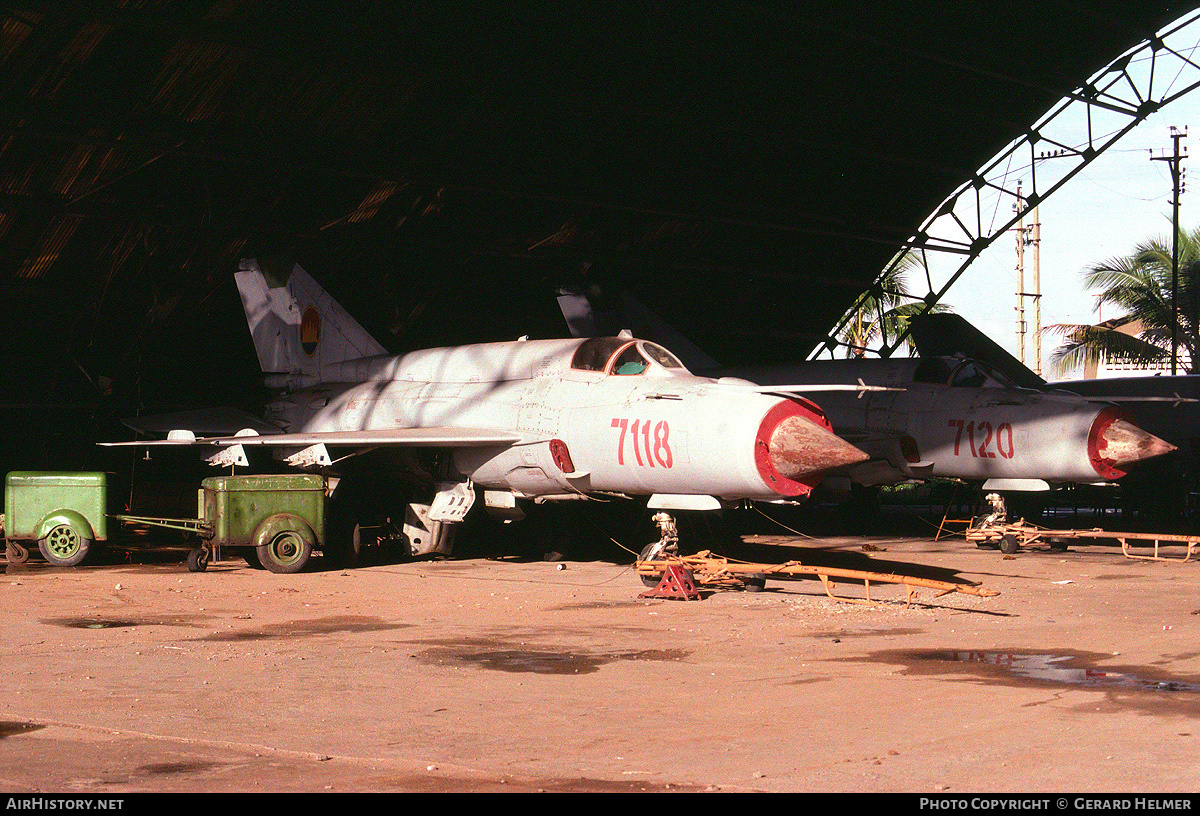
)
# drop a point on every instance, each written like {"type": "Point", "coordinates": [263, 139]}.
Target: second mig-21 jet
{"type": "Point", "coordinates": [945, 415]}
{"type": "Point", "coordinates": [521, 421]}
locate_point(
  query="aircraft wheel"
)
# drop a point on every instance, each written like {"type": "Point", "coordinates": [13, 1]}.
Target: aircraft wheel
{"type": "Point", "coordinates": [286, 553]}
{"type": "Point", "coordinates": [197, 560]}
{"type": "Point", "coordinates": [1009, 544]}
{"type": "Point", "coordinates": [354, 546]}
{"type": "Point", "coordinates": [63, 546]}
{"type": "Point", "coordinates": [344, 542]}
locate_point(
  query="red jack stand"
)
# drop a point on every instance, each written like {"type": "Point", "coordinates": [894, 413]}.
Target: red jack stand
{"type": "Point", "coordinates": [677, 583]}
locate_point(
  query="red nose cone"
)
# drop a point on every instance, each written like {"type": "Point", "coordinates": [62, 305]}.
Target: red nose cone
{"type": "Point", "coordinates": [795, 446]}
{"type": "Point", "coordinates": [1115, 442]}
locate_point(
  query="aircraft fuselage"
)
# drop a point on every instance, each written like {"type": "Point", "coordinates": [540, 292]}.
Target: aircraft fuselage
{"type": "Point", "coordinates": [630, 421]}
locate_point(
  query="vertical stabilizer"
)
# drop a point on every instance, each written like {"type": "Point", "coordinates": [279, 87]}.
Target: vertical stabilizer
{"type": "Point", "coordinates": [296, 326]}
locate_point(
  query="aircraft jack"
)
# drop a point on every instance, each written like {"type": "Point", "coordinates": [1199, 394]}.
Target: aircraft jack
{"type": "Point", "coordinates": [677, 583]}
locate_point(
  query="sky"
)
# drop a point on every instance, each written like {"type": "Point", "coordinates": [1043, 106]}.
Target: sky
{"type": "Point", "coordinates": [1118, 200]}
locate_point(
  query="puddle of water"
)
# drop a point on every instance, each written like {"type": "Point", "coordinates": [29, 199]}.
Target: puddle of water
{"type": "Point", "coordinates": [307, 628]}
{"type": "Point", "coordinates": [162, 768]}
{"type": "Point", "coordinates": [91, 623]}
{"type": "Point", "coordinates": [536, 662]}
{"type": "Point", "coordinates": [540, 661]}
{"type": "Point", "coordinates": [896, 631]}
{"type": "Point", "coordinates": [8, 729]}
{"type": "Point", "coordinates": [1049, 668]}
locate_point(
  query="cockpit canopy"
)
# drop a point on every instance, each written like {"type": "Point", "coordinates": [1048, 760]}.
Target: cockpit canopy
{"type": "Point", "coordinates": [960, 372]}
{"type": "Point", "coordinates": [622, 356]}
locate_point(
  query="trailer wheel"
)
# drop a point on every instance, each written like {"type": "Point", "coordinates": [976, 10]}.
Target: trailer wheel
{"type": "Point", "coordinates": [63, 546]}
{"type": "Point", "coordinates": [1009, 544]}
{"type": "Point", "coordinates": [286, 553]}
{"type": "Point", "coordinates": [197, 560]}
{"type": "Point", "coordinates": [15, 553]}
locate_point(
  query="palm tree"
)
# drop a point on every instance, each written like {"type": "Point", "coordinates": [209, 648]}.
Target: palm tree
{"type": "Point", "coordinates": [1140, 285]}
{"type": "Point", "coordinates": [884, 310]}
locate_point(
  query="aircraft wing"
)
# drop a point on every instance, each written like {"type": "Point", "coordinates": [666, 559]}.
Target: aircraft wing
{"type": "Point", "coordinates": [861, 388]}
{"type": "Point", "coordinates": [1174, 400]}
{"type": "Point", "coordinates": [407, 437]}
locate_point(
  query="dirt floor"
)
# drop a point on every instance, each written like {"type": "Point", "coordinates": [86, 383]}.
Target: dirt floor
{"type": "Point", "coordinates": [500, 674]}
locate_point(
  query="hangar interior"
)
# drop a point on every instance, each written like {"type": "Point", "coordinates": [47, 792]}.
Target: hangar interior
{"type": "Point", "coordinates": [745, 168]}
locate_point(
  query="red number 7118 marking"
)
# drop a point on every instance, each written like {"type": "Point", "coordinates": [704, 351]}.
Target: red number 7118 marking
{"type": "Point", "coordinates": [648, 437]}
{"type": "Point", "coordinates": [1002, 439]}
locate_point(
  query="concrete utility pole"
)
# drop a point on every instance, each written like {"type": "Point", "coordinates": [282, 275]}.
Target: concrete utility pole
{"type": "Point", "coordinates": [1032, 236]}
{"type": "Point", "coordinates": [1174, 162]}
{"type": "Point", "coordinates": [1035, 239]}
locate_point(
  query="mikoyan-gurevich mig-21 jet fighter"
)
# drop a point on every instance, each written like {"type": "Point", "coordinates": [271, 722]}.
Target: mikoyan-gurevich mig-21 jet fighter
{"type": "Point", "coordinates": [956, 418]}
{"type": "Point", "coordinates": [946, 415]}
{"type": "Point", "coordinates": [538, 420]}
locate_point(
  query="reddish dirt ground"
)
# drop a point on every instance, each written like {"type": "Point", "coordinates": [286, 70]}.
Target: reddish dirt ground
{"type": "Point", "coordinates": [502, 675]}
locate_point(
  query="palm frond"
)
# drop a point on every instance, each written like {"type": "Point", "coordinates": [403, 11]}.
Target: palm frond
{"type": "Point", "coordinates": [1140, 285]}
{"type": "Point", "coordinates": [1083, 344]}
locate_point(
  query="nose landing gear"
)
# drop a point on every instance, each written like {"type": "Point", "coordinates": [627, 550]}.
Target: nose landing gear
{"type": "Point", "coordinates": [675, 580]}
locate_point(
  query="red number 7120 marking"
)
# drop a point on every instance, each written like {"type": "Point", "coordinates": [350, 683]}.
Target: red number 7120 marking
{"type": "Point", "coordinates": [1002, 439]}
{"type": "Point", "coordinates": [645, 436]}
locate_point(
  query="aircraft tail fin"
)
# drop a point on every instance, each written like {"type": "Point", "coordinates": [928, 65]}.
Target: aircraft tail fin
{"type": "Point", "coordinates": [297, 327]}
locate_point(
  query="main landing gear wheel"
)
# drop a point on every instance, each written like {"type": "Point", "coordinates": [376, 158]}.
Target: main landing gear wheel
{"type": "Point", "coordinates": [1009, 544]}
{"type": "Point", "coordinates": [63, 546]}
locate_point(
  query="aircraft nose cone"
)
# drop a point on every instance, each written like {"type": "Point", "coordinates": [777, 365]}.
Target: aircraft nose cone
{"type": "Point", "coordinates": [1116, 442]}
{"type": "Point", "coordinates": [799, 447]}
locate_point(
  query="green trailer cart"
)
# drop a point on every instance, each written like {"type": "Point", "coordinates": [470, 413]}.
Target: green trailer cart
{"type": "Point", "coordinates": [62, 514]}
{"type": "Point", "coordinates": [273, 521]}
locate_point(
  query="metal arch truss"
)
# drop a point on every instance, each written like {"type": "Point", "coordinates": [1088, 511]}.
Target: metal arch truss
{"type": "Point", "coordinates": [1067, 139]}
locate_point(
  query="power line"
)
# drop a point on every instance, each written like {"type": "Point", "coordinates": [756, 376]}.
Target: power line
{"type": "Point", "coordinates": [1174, 161]}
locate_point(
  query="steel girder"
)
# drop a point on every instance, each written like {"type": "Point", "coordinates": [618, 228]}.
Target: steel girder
{"type": "Point", "coordinates": [1068, 138]}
